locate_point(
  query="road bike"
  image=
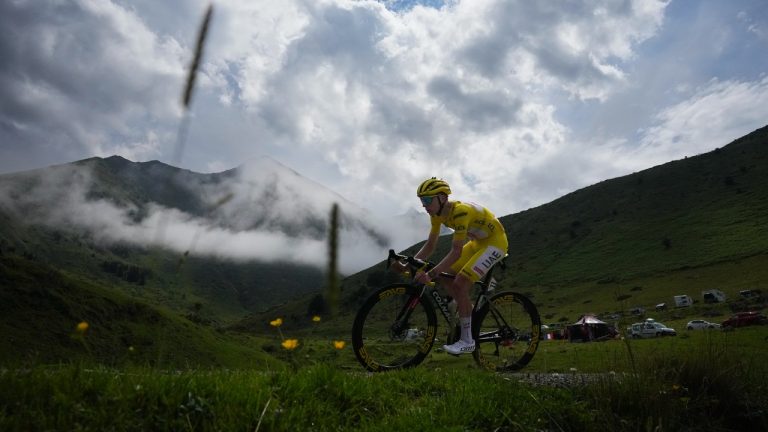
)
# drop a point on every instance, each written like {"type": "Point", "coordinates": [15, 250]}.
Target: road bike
{"type": "Point", "coordinates": [396, 327]}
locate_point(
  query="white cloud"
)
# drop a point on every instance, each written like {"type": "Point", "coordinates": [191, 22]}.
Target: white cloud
{"type": "Point", "coordinates": [714, 116]}
{"type": "Point", "coordinates": [82, 77]}
{"type": "Point", "coordinates": [492, 95]}
{"type": "Point", "coordinates": [265, 213]}
{"type": "Point", "coordinates": [392, 98]}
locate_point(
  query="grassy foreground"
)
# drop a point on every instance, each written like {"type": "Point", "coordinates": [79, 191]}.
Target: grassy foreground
{"type": "Point", "coordinates": [697, 381]}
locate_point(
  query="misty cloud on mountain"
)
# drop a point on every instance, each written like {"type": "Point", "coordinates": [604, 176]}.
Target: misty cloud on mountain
{"type": "Point", "coordinates": [260, 211]}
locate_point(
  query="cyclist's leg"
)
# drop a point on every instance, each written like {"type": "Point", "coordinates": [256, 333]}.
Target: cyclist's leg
{"type": "Point", "coordinates": [459, 289]}
{"type": "Point", "coordinates": [484, 255]}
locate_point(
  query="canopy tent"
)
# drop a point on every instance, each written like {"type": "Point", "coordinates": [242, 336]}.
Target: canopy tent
{"type": "Point", "coordinates": [589, 328]}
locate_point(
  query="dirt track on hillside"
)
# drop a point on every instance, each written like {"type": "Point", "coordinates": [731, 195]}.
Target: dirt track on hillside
{"type": "Point", "coordinates": [563, 380]}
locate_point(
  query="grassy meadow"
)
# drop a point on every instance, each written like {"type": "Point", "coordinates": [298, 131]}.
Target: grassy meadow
{"type": "Point", "coordinates": [82, 349]}
{"type": "Point", "coordinates": [699, 380]}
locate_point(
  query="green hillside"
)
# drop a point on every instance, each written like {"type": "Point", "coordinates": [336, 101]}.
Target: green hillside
{"type": "Point", "coordinates": [688, 213]}
{"type": "Point", "coordinates": [216, 290]}
{"type": "Point", "coordinates": [679, 228]}
{"type": "Point", "coordinates": [42, 306]}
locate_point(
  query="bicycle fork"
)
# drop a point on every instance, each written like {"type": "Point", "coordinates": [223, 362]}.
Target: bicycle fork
{"type": "Point", "coordinates": [400, 326]}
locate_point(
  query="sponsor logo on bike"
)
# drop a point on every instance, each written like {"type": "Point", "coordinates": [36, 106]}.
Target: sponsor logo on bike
{"type": "Point", "coordinates": [534, 340]}
{"type": "Point", "coordinates": [441, 303]}
{"type": "Point", "coordinates": [535, 333]}
{"type": "Point", "coordinates": [367, 359]}
{"type": "Point", "coordinates": [504, 299]}
{"type": "Point", "coordinates": [428, 338]}
{"type": "Point", "coordinates": [391, 292]}
{"type": "Point", "coordinates": [487, 364]}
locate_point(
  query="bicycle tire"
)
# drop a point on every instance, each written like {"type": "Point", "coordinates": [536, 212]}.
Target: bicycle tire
{"type": "Point", "coordinates": [383, 340]}
{"type": "Point", "coordinates": [507, 332]}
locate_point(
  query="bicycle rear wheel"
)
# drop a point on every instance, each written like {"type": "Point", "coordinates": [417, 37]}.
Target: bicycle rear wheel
{"type": "Point", "coordinates": [394, 329]}
{"type": "Point", "coordinates": [507, 331]}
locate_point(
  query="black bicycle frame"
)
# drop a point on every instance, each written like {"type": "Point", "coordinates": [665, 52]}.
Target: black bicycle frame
{"type": "Point", "coordinates": [438, 300]}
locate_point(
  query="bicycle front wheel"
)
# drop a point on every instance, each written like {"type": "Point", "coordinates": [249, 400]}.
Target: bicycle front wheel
{"type": "Point", "coordinates": [394, 329]}
{"type": "Point", "coordinates": [507, 331]}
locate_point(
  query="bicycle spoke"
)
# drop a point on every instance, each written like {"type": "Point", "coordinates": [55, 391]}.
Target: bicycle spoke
{"type": "Point", "coordinates": [393, 329]}
{"type": "Point", "coordinates": [507, 332]}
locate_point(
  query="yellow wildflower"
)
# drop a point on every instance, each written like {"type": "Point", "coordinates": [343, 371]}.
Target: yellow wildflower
{"type": "Point", "coordinates": [290, 344]}
{"type": "Point", "coordinates": [338, 344]}
{"type": "Point", "coordinates": [316, 318]}
{"type": "Point", "coordinates": [82, 327]}
{"type": "Point", "coordinates": [276, 323]}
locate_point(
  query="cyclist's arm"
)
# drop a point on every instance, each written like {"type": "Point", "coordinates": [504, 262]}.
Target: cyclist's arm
{"type": "Point", "coordinates": [428, 247]}
{"type": "Point", "coordinates": [455, 253]}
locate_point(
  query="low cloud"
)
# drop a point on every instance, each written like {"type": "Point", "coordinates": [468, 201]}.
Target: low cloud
{"type": "Point", "coordinates": [241, 226]}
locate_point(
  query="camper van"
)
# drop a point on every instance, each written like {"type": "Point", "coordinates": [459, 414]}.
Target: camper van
{"type": "Point", "coordinates": [713, 296]}
{"type": "Point", "coordinates": [683, 300]}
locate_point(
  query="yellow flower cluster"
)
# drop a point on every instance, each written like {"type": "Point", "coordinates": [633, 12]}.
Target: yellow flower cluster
{"type": "Point", "coordinates": [82, 327]}
{"type": "Point", "coordinates": [292, 344]}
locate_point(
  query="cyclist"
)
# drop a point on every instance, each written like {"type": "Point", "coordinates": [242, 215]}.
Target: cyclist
{"type": "Point", "coordinates": [479, 241]}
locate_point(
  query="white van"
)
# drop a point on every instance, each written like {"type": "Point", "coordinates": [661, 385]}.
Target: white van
{"type": "Point", "coordinates": [649, 329]}
{"type": "Point", "coordinates": [683, 300]}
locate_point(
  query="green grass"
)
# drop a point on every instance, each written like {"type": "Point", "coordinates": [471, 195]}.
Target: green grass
{"type": "Point", "coordinates": [703, 381]}
{"type": "Point", "coordinates": [42, 307]}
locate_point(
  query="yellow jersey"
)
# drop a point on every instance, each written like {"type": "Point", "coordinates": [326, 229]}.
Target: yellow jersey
{"type": "Point", "coordinates": [468, 220]}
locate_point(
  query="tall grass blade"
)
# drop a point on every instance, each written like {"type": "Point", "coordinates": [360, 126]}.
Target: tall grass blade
{"type": "Point", "coordinates": [202, 34]}
{"type": "Point", "coordinates": [333, 250]}
{"type": "Point", "coordinates": [181, 135]}
{"type": "Point", "coordinates": [261, 417]}
{"type": "Point", "coordinates": [190, 85]}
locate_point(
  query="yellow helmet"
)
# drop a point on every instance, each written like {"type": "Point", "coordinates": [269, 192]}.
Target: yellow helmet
{"type": "Point", "coordinates": [433, 186]}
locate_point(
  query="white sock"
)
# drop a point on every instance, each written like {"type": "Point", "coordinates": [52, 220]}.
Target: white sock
{"type": "Point", "coordinates": [466, 328]}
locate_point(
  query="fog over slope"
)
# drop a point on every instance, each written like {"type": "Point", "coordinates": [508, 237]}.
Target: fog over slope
{"type": "Point", "coordinates": [261, 210]}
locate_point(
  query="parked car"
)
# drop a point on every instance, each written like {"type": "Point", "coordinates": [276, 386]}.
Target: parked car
{"type": "Point", "coordinates": [750, 293]}
{"type": "Point", "coordinates": [740, 319]}
{"type": "Point", "coordinates": [701, 324]}
{"type": "Point", "coordinates": [650, 328]}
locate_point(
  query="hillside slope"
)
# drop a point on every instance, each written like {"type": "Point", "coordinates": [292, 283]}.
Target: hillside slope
{"type": "Point", "coordinates": [685, 226]}
{"type": "Point", "coordinates": [224, 244]}
{"type": "Point", "coordinates": [41, 307]}
{"type": "Point", "coordinates": [687, 213]}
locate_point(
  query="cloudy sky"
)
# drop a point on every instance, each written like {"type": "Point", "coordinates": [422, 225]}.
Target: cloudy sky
{"type": "Point", "coordinates": [514, 103]}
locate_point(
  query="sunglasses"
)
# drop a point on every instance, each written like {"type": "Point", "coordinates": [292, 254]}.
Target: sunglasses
{"type": "Point", "coordinates": [427, 200]}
